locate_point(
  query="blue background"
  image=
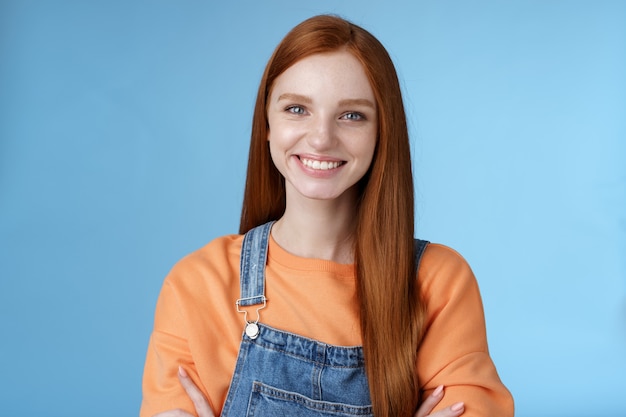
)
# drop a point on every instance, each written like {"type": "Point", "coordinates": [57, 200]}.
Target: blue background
{"type": "Point", "coordinates": [124, 129]}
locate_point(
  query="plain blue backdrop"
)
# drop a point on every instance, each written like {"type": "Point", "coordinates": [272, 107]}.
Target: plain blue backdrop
{"type": "Point", "coordinates": [124, 129]}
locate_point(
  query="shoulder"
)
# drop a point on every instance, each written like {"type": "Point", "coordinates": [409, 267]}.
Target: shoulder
{"type": "Point", "coordinates": [218, 249]}
{"type": "Point", "coordinates": [444, 273]}
{"type": "Point", "coordinates": [217, 260]}
{"type": "Point", "coordinates": [438, 256]}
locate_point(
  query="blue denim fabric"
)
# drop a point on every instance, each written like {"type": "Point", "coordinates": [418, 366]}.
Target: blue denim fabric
{"type": "Point", "coordinates": [283, 374]}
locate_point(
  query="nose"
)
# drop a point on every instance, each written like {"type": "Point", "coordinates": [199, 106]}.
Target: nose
{"type": "Point", "coordinates": [322, 134]}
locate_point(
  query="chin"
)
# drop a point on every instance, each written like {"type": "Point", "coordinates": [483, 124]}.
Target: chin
{"type": "Point", "coordinates": [324, 195]}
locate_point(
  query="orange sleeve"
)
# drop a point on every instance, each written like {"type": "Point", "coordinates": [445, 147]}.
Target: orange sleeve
{"type": "Point", "coordinates": [454, 350]}
{"type": "Point", "coordinates": [196, 325]}
{"type": "Point", "coordinates": [168, 348]}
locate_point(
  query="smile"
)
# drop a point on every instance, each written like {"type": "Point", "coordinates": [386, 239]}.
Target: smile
{"type": "Point", "coordinates": [320, 165]}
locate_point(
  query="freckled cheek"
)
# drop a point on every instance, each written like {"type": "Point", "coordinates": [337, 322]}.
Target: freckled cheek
{"type": "Point", "coordinates": [282, 145]}
{"type": "Point", "coordinates": [286, 135]}
{"type": "Point", "coordinates": [362, 144]}
{"type": "Point", "coordinates": [277, 157]}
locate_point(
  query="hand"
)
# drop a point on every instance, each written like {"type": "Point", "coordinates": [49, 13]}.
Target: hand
{"type": "Point", "coordinates": [432, 400]}
{"type": "Point", "coordinates": [201, 404]}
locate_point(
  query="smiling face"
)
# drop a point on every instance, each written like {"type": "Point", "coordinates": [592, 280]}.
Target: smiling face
{"type": "Point", "coordinates": [323, 125]}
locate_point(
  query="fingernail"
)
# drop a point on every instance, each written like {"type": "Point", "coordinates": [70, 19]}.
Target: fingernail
{"type": "Point", "coordinates": [437, 392]}
{"type": "Point", "coordinates": [182, 372]}
{"type": "Point", "coordinates": [457, 407]}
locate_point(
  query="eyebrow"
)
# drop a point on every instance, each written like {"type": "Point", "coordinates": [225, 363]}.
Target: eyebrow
{"type": "Point", "coordinates": [357, 102]}
{"type": "Point", "coordinates": [295, 97]}
{"type": "Point", "coordinates": [345, 102]}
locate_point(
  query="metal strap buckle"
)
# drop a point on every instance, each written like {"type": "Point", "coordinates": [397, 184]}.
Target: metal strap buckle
{"type": "Point", "coordinates": [252, 327]}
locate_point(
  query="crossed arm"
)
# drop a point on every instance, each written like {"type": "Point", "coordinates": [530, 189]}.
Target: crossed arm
{"type": "Point", "coordinates": [203, 409]}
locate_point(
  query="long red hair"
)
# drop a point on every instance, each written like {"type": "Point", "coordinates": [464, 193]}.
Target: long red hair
{"type": "Point", "coordinates": [391, 311]}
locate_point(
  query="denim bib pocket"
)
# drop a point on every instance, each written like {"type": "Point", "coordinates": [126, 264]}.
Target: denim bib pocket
{"type": "Point", "coordinates": [268, 401]}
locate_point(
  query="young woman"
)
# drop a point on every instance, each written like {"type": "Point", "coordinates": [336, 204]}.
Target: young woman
{"type": "Point", "coordinates": [324, 304]}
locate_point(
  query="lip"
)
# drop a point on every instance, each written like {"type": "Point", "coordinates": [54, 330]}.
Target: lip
{"type": "Point", "coordinates": [321, 158]}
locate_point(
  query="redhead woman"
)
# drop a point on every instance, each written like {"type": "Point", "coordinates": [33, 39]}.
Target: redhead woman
{"type": "Point", "coordinates": [324, 304]}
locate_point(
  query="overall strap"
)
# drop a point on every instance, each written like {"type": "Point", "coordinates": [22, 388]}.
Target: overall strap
{"type": "Point", "coordinates": [419, 247]}
{"type": "Point", "coordinates": [252, 265]}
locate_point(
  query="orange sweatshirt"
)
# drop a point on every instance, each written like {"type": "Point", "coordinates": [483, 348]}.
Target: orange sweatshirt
{"type": "Point", "coordinates": [197, 324]}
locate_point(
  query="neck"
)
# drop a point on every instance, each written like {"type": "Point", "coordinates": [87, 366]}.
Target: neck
{"type": "Point", "coordinates": [318, 229]}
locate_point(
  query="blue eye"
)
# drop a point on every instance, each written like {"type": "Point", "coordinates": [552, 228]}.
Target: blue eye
{"type": "Point", "coordinates": [295, 109]}
{"type": "Point", "coordinates": [354, 116]}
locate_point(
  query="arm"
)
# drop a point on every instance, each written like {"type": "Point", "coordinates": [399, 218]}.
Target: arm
{"type": "Point", "coordinates": [454, 348]}
{"type": "Point", "coordinates": [167, 350]}
{"type": "Point", "coordinates": [203, 408]}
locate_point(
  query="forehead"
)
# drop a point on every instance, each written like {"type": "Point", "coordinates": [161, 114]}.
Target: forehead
{"type": "Point", "coordinates": [331, 73]}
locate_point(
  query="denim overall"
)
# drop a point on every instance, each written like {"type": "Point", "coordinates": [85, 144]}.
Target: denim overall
{"type": "Point", "coordinates": [283, 374]}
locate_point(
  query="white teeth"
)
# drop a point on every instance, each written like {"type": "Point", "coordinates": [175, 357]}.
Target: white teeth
{"type": "Point", "coordinates": [321, 165]}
